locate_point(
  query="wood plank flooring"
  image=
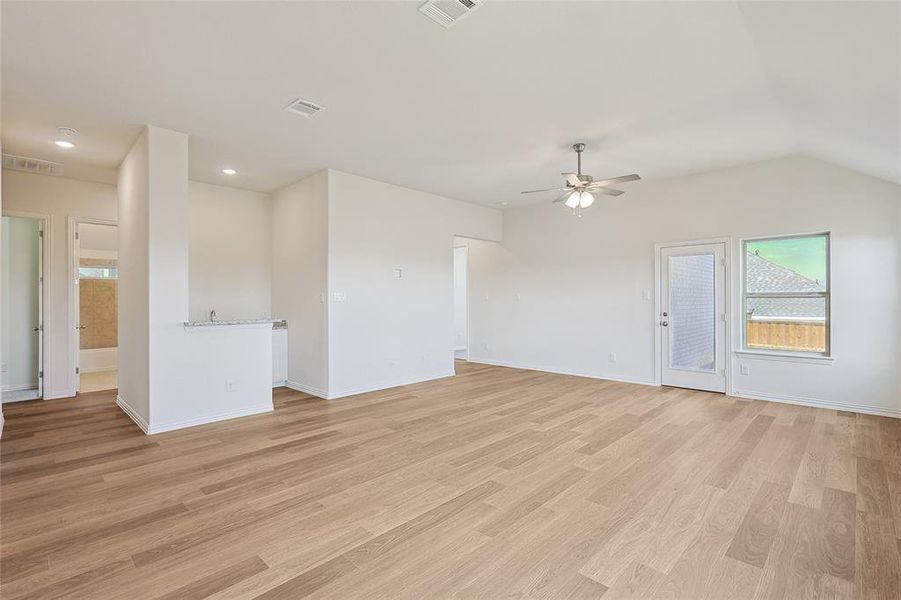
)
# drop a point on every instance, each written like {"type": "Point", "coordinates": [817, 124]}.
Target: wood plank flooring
{"type": "Point", "coordinates": [496, 483]}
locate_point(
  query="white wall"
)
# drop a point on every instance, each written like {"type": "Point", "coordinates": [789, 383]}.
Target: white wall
{"type": "Point", "coordinates": [133, 292]}
{"type": "Point", "coordinates": [94, 360]}
{"type": "Point", "coordinates": [581, 281]}
{"type": "Point", "coordinates": [174, 376]}
{"type": "Point", "coordinates": [230, 257]}
{"type": "Point", "coordinates": [60, 198]}
{"type": "Point", "coordinates": [93, 236]}
{"type": "Point", "coordinates": [461, 299]}
{"type": "Point", "coordinates": [20, 304]}
{"type": "Point", "coordinates": [299, 282]}
{"type": "Point", "coordinates": [388, 331]}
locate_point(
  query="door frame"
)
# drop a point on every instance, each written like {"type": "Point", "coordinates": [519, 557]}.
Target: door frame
{"type": "Point", "coordinates": [466, 248]}
{"type": "Point", "coordinates": [658, 303]}
{"type": "Point", "coordinates": [45, 224]}
{"type": "Point", "coordinates": [71, 285]}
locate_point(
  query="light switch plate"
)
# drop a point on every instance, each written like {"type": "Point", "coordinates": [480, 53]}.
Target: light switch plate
{"type": "Point", "coordinates": [398, 273]}
{"type": "Point", "coordinates": [339, 296]}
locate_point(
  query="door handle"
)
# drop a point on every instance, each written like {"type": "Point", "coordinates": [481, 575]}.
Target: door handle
{"type": "Point", "coordinates": [35, 329]}
{"type": "Point", "coordinates": [664, 323]}
{"type": "Point", "coordinates": [81, 327]}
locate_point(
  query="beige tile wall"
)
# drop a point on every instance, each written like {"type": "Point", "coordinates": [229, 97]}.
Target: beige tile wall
{"type": "Point", "coordinates": [98, 302]}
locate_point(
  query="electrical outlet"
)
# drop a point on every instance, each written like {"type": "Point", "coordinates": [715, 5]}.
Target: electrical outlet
{"type": "Point", "coordinates": [339, 296]}
{"type": "Point", "coordinates": [398, 273]}
{"type": "Point", "coordinates": [745, 370]}
{"type": "Point", "coordinates": [645, 295]}
{"type": "Point", "coordinates": [484, 345]}
{"type": "Point", "coordinates": [518, 296]}
{"type": "Point", "coordinates": [229, 386]}
{"type": "Point", "coordinates": [613, 357]}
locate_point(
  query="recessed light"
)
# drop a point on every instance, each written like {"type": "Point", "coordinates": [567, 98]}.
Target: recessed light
{"type": "Point", "coordinates": [229, 172]}
{"type": "Point", "coordinates": [64, 144]}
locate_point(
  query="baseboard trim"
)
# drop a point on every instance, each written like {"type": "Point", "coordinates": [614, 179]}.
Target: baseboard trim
{"type": "Point", "coordinates": [306, 389]}
{"type": "Point", "coordinates": [19, 387]}
{"type": "Point", "coordinates": [2, 422]}
{"type": "Point", "coordinates": [509, 365]}
{"type": "Point", "coordinates": [816, 403]}
{"type": "Point", "coordinates": [319, 393]}
{"type": "Point", "coordinates": [391, 384]}
{"type": "Point", "coordinates": [206, 419]}
{"type": "Point", "coordinates": [132, 414]}
{"type": "Point", "coordinates": [281, 383]}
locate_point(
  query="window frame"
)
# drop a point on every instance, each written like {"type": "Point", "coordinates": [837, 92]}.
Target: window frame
{"type": "Point", "coordinates": [107, 268]}
{"type": "Point", "coordinates": [826, 295]}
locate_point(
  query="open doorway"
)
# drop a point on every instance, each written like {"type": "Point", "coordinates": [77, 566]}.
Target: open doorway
{"type": "Point", "coordinates": [461, 300]}
{"type": "Point", "coordinates": [96, 306]}
{"type": "Point", "coordinates": [23, 307]}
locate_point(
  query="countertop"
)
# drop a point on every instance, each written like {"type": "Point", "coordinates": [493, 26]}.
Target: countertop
{"type": "Point", "coordinates": [276, 323]}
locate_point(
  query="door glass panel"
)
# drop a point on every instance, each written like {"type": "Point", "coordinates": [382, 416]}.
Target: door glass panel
{"type": "Point", "coordinates": [692, 318]}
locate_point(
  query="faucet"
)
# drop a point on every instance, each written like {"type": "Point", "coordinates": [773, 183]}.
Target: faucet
{"type": "Point", "coordinates": [212, 315]}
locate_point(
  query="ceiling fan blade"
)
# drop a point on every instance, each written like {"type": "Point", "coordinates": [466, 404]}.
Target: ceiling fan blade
{"type": "Point", "coordinates": [632, 177]}
{"type": "Point", "coordinates": [605, 190]}
{"type": "Point", "coordinates": [563, 197]}
{"type": "Point", "coordinates": [572, 179]}
{"type": "Point", "coordinates": [547, 190]}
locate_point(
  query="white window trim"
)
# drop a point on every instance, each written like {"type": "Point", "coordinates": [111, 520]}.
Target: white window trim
{"type": "Point", "coordinates": [787, 355]}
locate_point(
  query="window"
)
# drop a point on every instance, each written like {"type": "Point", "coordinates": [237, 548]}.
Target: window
{"type": "Point", "coordinates": [785, 294]}
{"type": "Point", "coordinates": [98, 272]}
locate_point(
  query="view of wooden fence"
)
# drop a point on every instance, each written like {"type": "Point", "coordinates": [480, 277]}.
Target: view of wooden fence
{"type": "Point", "coordinates": [787, 335]}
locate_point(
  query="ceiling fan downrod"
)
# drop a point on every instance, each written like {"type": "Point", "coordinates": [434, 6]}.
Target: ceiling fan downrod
{"type": "Point", "coordinates": [579, 147]}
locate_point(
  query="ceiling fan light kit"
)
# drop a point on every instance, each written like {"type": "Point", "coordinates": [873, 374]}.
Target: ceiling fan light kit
{"type": "Point", "coordinates": [579, 187]}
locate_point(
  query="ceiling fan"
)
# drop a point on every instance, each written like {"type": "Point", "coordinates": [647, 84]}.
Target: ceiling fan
{"type": "Point", "coordinates": [579, 188]}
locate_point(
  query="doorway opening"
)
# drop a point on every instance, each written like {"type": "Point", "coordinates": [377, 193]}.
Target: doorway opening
{"type": "Point", "coordinates": [96, 306]}
{"type": "Point", "coordinates": [461, 300]}
{"type": "Point", "coordinates": [692, 336]}
{"type": "Point", "coordinates": [23, 307]}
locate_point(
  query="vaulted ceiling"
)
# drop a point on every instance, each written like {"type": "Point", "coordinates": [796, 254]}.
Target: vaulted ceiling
{"type": "Point", "coordinates": [477, 112]}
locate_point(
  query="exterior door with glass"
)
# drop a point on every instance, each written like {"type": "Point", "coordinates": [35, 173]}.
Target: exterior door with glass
{"type": "Point", "coordinates": [693, 316]}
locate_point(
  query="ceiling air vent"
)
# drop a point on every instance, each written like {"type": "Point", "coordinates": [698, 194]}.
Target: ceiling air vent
{"type": "Point", "coordinates": [302, 107]}
{"type": "Point", "coordinates": [448, 12]}
{"type": "Point", "coordinates": [32, 165]}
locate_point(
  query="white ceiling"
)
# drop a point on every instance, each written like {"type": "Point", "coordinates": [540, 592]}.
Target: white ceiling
{"type": "Point", "coordinates": [477, 112]}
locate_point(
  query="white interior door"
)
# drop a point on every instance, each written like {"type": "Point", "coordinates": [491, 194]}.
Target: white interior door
{"type": "Point", "coordinates": [693, 316]}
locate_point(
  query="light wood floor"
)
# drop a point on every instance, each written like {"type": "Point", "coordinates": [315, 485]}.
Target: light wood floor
{"type": "Point", "coordinates": [98, 381]}
{"type": "Point", "coordinates": [497, 483]}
